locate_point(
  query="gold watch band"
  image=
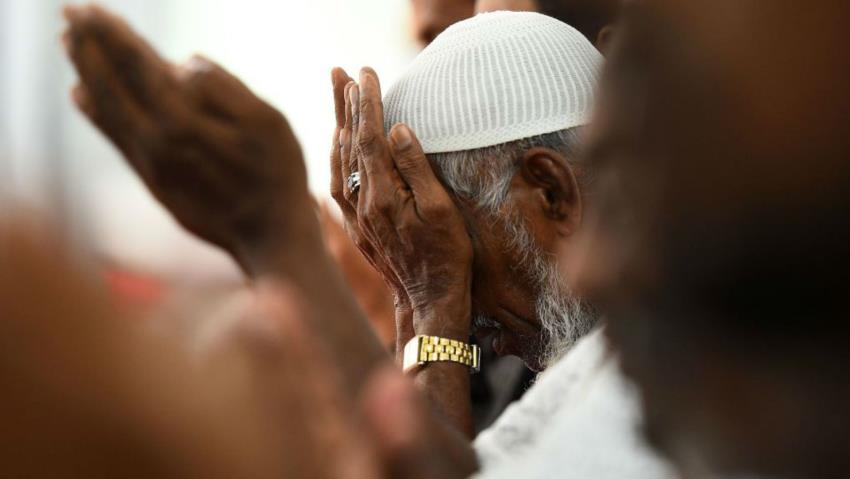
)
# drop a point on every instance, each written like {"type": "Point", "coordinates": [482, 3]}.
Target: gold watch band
{"type": "Point", "coordinates": [422, 350]}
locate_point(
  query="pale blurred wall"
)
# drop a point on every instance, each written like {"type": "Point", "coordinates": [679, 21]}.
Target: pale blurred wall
{"type": "Point", "coordinates": [283, 49]}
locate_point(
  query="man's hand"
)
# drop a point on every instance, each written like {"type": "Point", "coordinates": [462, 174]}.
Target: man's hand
{"type": "Point", "coordinates": [402, 217]}
{"type": "Point", "coordinates": [222, 161]}
{"type": "Point", "coordinates": [341, 169]}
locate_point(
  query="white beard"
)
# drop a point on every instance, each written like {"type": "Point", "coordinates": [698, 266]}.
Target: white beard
{"type": "Point", "coordinates": [564, 317]}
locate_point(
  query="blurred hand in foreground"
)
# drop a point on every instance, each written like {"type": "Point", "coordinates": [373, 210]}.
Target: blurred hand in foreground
{"type": "Point", "coordinates": [366, 283]}
{"type": "Point", "coordinates": [222, 161]}
{"type": "Point", "coordinates": [91, 394]}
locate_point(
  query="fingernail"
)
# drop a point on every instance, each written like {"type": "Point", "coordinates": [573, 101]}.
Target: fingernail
{"type": "Point", "coordinates": [402, 138]}
{"type": "Point", "coordinates": [365, 72]}
{"type": "Point", "coordinates": [355, 99]}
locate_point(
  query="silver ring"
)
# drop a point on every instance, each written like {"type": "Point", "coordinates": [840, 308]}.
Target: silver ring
{"type": "Point", "coordinates": [354, 182]}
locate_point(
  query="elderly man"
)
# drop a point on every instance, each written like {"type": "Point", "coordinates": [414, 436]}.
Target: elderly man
{"type": "Point", "coordinates": [506, 152]}
{"type": "Point", "coordinates": [479, 236]}
{"type": "Point", "coordinates": [198, 125]}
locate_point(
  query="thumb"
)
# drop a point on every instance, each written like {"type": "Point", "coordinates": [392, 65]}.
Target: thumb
{"type": "Point", "coordinates": [411, 162]}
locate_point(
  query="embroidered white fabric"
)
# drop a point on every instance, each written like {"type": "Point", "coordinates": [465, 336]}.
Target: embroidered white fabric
{"type": "Point", "coordinates": [496, 78]}
{"type": "Point", "coordinates": [579, 420]}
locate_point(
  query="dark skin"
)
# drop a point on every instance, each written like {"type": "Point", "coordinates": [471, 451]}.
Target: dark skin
{"type": "Point", "coordinates": [415, 233]}
{"type": "Point", "coordinates": [595, 19]}
{"type": "Point", "coordinates": [199, 138]}
{"type": "Point", "coordinates": [705, 267]}
{"type": "Point", "coordinates": [367, 285]}
{"type": "Point", "coordinates": [431, 17]}
{"type": "Point", "coordinates": [545, 193]}
{"type": "Point", "coordinates": [95, 394]}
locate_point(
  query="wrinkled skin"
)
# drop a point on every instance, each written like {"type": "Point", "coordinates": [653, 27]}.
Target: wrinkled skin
{"type": "Point", "coordinates": [405, 223]}
{"type": "Point", "coordinates": [429, 264]}
{"type": "Point", "coordinates": [417, 236]}
{"type": "Point", "coordinates": [401, 209]}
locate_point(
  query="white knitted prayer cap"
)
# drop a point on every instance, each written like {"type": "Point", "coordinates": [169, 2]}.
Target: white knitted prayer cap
{"type": "Point", "coordinates": [496, 78]}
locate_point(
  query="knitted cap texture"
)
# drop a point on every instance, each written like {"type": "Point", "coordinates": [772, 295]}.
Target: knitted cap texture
{"type": "Point", "coordinates": [496, 78]}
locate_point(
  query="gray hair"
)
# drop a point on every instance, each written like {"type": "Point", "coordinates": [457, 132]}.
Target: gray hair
{"type": "Point", "coordinates": [484, 175]}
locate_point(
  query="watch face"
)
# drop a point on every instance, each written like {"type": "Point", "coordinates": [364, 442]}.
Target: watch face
{"type": "Point", "coordinates": [411, 354]}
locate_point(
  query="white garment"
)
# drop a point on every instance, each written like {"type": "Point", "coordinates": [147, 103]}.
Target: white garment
{"type": "Point", "coordinates": [579, 420]}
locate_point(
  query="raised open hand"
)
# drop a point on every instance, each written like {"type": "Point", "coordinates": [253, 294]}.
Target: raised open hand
{"type": "Point", "coordinates": [222, 161]}
{"type": "Point", "coordinates": [402, 216]}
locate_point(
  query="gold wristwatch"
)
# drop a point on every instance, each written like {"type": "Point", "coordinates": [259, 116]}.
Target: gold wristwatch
{"type": "Point", "coordinates": [422, 350]}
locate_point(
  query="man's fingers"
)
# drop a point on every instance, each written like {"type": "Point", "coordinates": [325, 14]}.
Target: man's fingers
{"type": "Point", "coordinates": [345, 139]}
{"type": "Point", "coordinates": [337, 190]}
{"type": "Point", "coordinates": [371, 137]}
{"type": "Point", "coordinates": [340, 80]}
{"type": "Point", "coordinates": [215, 89]}
{"type": "Point", "coordinates": [142, 72]}
{"type": "Point", "coordinates": [354, 103]}
{"type": "Point", "coordinates": [102, 98]}
{"type": "Point", "coordinates": [411, 162]}
{"type": "Point", "coordinates": [378, 177]}
{"type": "Point", "coordinates": [80, 97]}
{"type": "Point", "coordinates": [341, 83]}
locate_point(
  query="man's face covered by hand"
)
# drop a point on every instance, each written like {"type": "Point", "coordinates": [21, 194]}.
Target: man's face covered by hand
{"type": "Point", "coordinates": [518, 291]}
{"type": "Point", "coordinates": [507, 162]}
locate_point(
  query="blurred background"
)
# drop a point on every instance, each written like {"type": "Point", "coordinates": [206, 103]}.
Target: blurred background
{"type": "Point", "coordinates": [54, 161]}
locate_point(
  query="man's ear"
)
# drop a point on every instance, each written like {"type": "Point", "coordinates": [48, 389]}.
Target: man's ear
{"type": "Point", "coordinates": [559, 195]}
{"type": "Point", "coordinates": [604, 39]}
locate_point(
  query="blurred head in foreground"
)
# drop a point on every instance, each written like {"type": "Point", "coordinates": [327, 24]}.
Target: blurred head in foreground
{"type": "Point", "coordinates": [720, 242]}
{"type": "Point", "coordinates": [88, 393]}
{"type": "Point", "coordinates": [431, 17]}
{"type": "Point", "coordinates": [593, 18]}
{"type": "Point", "coordinates": [499, 102]}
